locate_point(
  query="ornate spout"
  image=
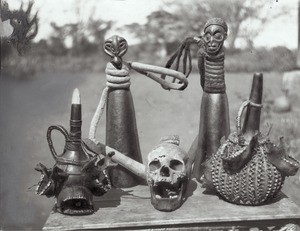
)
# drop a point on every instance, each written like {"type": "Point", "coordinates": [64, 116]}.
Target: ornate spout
{"type": "Point", "coordinates": [73, 152]}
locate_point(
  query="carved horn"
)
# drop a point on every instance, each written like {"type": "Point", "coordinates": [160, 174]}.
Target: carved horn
{"type": "Point", "coordinates": [252, 117]}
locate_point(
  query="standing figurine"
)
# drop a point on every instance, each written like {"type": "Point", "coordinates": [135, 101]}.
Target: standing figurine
{"type": "Point", "coordinates": [214, 113]}
{"type": "Point", "coordinates": [121, 128]}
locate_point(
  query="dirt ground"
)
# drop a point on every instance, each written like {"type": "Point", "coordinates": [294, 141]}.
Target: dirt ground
{"type": "Point", "coordinates": [29, 107]}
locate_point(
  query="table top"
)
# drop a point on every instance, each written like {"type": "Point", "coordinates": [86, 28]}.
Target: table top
{"type": "Point", "coordinates": [131, 207]}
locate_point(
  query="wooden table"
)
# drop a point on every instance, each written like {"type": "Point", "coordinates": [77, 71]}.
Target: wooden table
{"type": "Point", "coordinates": [131, 209]}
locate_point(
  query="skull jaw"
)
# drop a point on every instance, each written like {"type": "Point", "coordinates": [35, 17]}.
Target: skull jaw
{"type": "Point", "coordinates": [164, 202]}
{"type": "Point", "coordinates": [75, 200]}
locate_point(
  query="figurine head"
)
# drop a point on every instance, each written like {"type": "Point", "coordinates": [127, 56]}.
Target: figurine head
{"type": "Point", "coordinates": [116, 47]}
{"type": "Point", "coordinates": [215, 33]}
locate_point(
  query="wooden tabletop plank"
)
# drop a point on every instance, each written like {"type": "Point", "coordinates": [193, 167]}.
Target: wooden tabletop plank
{"type": "Point", "coordinates": [125, 208]}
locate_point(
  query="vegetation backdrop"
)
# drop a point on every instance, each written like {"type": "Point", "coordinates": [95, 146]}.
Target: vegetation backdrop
{"type": "Point", "coordinates": [36, 89]}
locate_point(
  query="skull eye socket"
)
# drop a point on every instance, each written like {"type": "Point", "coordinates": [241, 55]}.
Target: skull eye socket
{"type": "Point", "coordinates": [154, 165]}
{"type": "Point", "coordinates": [176, 165]}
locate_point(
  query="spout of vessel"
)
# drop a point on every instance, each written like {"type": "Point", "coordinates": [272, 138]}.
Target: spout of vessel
{"type": "Point", "coordinates": [75, 118]}
{"type": "Point", "coordinates": [76, 96]}
{"type": "Point", "coordinates": [252, 117]}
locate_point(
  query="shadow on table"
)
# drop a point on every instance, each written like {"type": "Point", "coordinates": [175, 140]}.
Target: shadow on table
{"type": "Point", "coordinates": [192, 186]}
{"type": "Point", "coordinates": [279, 196]}
{"type": "Point", "coordinates": [113, 198]}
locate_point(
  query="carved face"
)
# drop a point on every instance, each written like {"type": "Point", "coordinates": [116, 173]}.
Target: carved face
{"type": "Point", "coordinates": [167, 176]}
{"type": "Point", "coordinates": [74, 192]}
{"type": "Point", "coordinates": [214, 37]}
{"type": "Point", "coordinates": [75, 200]}
{"type": "Point", "coordinates": [76, 195]}
{"type": "Point", "coordinates": [116, 47]}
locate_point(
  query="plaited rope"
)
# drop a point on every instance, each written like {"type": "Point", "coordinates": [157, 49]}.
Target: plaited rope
{"type": "Point", "coordinates": [183, 49]}
{"type": "Point", "coordinates": [115, 79]}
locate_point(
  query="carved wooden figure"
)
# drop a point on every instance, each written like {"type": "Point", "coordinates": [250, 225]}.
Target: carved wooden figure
{"type": "Point", "coordinates": [214, 113]}
{"type": "Point", "coordinates": [121, 128]}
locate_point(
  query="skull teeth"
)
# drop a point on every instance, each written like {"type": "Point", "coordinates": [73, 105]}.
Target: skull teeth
{"type": "Point", "coordinates": [166, 191]}
{"type": "Point", "coordinates": [157, 196]}
{"type": "Point", "coordinates": [171, 193]}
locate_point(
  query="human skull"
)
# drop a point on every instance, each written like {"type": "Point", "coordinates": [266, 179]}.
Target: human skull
{"type": "Point", "coordinates": [167, 175]}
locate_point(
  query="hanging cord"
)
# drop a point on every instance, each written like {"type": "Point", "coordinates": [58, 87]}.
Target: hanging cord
{"type": "Point", "coordinates": [115, 79]}
{"type": "Point", "coordinates": [150, 71]}
{"type": "Point", "coordinates": [211, 67]}
{"type": "Point", "coordinates": [184, 49]}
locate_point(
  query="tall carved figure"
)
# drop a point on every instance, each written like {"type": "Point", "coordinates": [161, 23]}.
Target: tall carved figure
{"type": "Point", "coordinates": [214, 113]}
{"type": "Point", "coordinates": [121, 128]}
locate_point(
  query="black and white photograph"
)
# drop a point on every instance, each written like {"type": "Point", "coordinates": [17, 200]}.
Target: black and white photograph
{"type": "Point", "coordinates": [150, 115]}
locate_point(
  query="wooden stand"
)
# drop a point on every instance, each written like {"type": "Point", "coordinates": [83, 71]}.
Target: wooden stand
{"type": "Point", "coordinates": [130, 209]}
